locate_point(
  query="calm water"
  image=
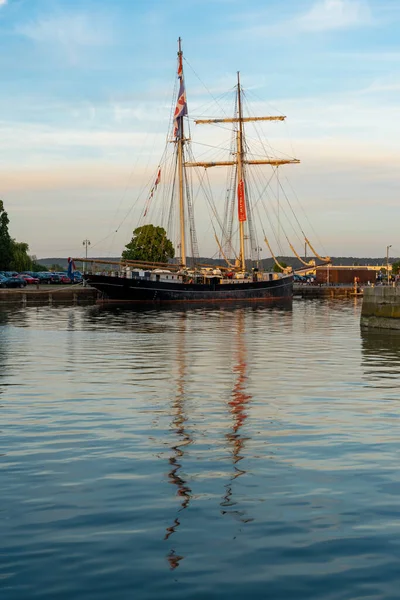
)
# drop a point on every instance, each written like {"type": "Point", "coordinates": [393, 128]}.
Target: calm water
{"type": "Point", "coordinates": [199, 454]}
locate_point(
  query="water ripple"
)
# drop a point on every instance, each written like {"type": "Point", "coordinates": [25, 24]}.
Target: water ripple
{"type": "Point", "coordinates": [204, 453]}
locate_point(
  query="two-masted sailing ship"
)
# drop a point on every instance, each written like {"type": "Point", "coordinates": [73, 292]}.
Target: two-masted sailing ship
{"type": "Point", "coordinates": [185, 280]}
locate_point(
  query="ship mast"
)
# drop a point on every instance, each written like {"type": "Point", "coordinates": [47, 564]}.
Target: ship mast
{"type": "Point", "coordinates": [240, 162]}
{"type": "Point", "coordinates": [241, 187]}
{"type": "Point", "coordinates": [180, 142]}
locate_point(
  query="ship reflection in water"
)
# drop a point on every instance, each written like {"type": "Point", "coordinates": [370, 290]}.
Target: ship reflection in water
{"type": "Point", "coordinates": [237, 406]}
{"type": "Point", "coordinates": [183, 439]}
{"type": "Point", "coordinates": [202, 453]}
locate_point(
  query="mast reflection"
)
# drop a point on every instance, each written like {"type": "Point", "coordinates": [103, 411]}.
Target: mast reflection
{"type": "Point", "coordinates": [237, 406]}
{"type": "Point", "coordinates": [175, 477]}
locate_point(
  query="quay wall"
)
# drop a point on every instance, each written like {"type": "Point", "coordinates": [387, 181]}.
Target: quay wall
{"type": "Point", "coordinates": [46, 295]}
{"type": "Point", "coordinates": [381, 307]}
{"type": "Point", "coordinates": [324, 291]}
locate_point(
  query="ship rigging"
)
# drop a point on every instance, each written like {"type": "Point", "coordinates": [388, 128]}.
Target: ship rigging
{"type": "Point", "coordinates": [237, 235]}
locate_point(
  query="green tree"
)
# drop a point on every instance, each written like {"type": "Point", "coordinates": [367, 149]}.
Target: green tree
{"type": "Point", "coordinates": [278, 269]}
{"type": "Point", "coordinates": [149, 243]}
{"type": "Point", "coordinates": [21, 261]}
{"type": "Point", "coordinates": [37, 267]}
{"type": "Point", "coordinates": [5, 240]}
{"type": "Point", "coordinates": [396, 267]}
{"type": "Point", "coordinates": [56, 267]}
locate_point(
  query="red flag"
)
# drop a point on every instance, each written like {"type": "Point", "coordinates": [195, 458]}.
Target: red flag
{"type": "Point", "coordinates": [241, 202]}
{"type": "Point", "coordinates": [153, 189]}
{"type": "Point", "coordinates": [180, 67]}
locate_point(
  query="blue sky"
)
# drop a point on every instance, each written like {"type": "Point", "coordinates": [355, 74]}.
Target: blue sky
{"type": "Point", "coordinates": [87, 87]}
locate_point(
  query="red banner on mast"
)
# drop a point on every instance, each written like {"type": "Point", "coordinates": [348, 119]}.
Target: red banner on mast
{"type": "Point", "coordinates": [241, 202]}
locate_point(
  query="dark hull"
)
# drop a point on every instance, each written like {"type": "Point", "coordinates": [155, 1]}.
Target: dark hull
{"type": "Point", "coordinates": [142, 291]}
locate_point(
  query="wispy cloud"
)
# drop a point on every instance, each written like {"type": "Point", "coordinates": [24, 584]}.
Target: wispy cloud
{"type": "Point", "coordinates": [374, 56]}
{"type": "Point", "coordinates": [381, 85]}
{"type": "Point", "coordinates": [324, 15]}
{"type": "Point", "coordinates": [3, 2]}
{"type": "Point", "coordinates": [68, 30]}
{"type": "Point", "coordinates": [334, 14]}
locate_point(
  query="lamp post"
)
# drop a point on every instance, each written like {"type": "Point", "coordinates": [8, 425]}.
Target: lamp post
{"type": "Point", "coordinates": [387, 262]}
{"type": "Point", "coordinates": [85, 243]}
{"type": "Point", "coordinates": [258, 250]}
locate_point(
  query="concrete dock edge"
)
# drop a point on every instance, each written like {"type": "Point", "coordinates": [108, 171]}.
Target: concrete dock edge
{"type": "Point", "coordinates": [381, 307]}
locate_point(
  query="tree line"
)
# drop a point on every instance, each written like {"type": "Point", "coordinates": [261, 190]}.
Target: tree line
{"type": "Point", "coordinates": [14, 256]}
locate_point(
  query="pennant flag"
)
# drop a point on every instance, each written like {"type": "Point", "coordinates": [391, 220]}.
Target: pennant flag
{"type": "Point", "coordinates": [180, 68]}
{"type": "Point", "coordinates": [181, 106]}
{"type": "Point", "coordinates": [153, 189]}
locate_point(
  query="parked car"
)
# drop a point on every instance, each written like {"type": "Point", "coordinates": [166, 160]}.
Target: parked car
{"type": "Point", "coordinates": [12, 282]}
{"type": "Point", "coordinates": [299, 278]}
{"type": "Point", "coordinates": [63, 277]}
{"type": "Point", "coordinates": [44, 277]}
{"type": "Point", "coordinates": [55, 278]}
{"type": "Point", "coordinates": [28, 278]}
{"type": "Point", "coordinates": [78, 277]}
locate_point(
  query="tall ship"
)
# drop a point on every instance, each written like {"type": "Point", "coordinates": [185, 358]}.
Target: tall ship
{"type": "Point", "coordinates": [237, 234]}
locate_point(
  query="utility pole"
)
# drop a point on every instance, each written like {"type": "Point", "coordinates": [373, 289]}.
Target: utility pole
{"type": "Point", "coordinates": [387, 262]}
{"type": "Point", "coordinates": [258, 249]}
{"type": "Point", "coordinates": [85, 243]}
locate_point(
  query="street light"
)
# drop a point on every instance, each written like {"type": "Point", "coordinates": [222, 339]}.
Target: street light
{"type": "Point", "coordinates": [258, 250]}
{"type": "Point", "coordinates": [387, 262]}
{"type": "Point", "coordinates": [85, 243]}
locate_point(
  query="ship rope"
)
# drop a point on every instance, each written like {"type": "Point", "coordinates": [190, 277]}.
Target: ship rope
{"type": "Point", "coordinates": [324, 259]}
{"type": "Point", "coordinates": [222, 252]}
{"type": "Point", "coordinates": [273, 255]}
{"type": "Point", "coordinates": [303, 262]}
{"type": "Point", "coordinates": [192, 228]}
{"type": "Point", "coordinates": [230, 198]}
{"type": "Point", "coordinates": [280, 187]}
{"type": "Point", "coordinates": [306, 217]}
{"type": "Point", "coordinates": [229, 210]}
{"type": "Point", "coordinates": [280, 213]}
{"type": "Point", "coordinates": [264, 192]}
{"type": "Point", "coordinates": [145, 187]}
{"type": "Point", "coordinates": [172, 202]}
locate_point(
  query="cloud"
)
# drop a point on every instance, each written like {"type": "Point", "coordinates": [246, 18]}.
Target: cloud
{"type": "Point", "coordinates": [69, 176]}
{"type": "Point", "coordinates": [36, 137]}
{"type": "Point", "coordinates": [334, 14]}
{"type": "Point", "coordinates": [324, 15]}
{"type": "Point", "coordinates": [67, 30]}
{"type": "Point", "coordinates": [3, 2]}
{"type": "Point", "coordinates": [380, 85]}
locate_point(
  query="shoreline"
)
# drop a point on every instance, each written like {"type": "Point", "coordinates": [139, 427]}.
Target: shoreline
{"type": "Point", "coordinates": [48, 295]}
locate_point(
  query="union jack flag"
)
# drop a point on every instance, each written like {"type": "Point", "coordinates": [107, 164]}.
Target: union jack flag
{"type": "Point", "coordinates": [181, 106]}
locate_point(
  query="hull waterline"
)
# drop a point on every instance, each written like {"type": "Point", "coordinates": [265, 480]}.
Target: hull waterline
{"type": "Point", "coordinates": [138, 291]}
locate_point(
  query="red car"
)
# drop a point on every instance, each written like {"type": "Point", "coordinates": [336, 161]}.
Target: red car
{"type": "Point", "coordinates": [28, 278]}
{"type": "Point", "coordinates": [65, 279]}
